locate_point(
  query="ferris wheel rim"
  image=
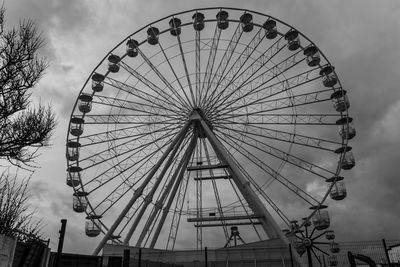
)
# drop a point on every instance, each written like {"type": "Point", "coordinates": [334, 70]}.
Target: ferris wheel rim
{"type": "Point", "coordinates": [344, 141]}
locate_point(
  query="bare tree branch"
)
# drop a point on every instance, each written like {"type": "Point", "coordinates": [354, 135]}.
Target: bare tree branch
{"type": "Point", "coordinates": [16, 215]}
{"type": "Point", "coordinates": [23, 129]}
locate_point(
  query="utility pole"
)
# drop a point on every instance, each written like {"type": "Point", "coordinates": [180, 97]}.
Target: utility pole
{"type": "Point", "coordinates": [60, 242]}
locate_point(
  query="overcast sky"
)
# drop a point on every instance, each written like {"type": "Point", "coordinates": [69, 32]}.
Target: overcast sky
{"type": "Point", "coordinates": [360, 38]}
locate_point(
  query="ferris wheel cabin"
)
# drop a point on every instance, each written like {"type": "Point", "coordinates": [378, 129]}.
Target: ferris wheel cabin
{"type": "Point", "coordinates": [76, 128]}
{"type": "Point", "coordinates": [79, 202]}
{"type": "Point", "coordinates": [73, 174]}
{"type": "Point", "coordinates": [271, 30]}
{"type": "Point", "coordinates": [85, 103]}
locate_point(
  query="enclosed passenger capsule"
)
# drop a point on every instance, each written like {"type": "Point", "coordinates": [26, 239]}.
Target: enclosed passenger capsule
{"type": "Point", "coordinates": [132, 48]}
{"type": "Point", "coordinates": [73, 176]}
{"type": "Point", "coordinates": [175, 25]}
{"type": "Point", "coordinates": [93, 226]}
{"type": "Point", "coordinates": [247, 22]}
{"type": "Point", "coordinates": [270, 29]}
{"type": "Point", "coordinates": [293, 39]}
{"type": "Point", "coordinates": [348, 161]}
{"type": "Point", "coordinates": [79, 203]}
{"type": "Point", "coordinates": [97, 82]}
{"type": "Point", "coordinates": [334, 247]}
{"type": "Point", "coordinates": [198, 21]}
{"type": "Point", "coordinates": [113, 61]}
{"type": "Point", "coordinates": [85, 103]}
{"type": "Point", "coordinates": [330, 235]}
{"type": "Point", "coordinates": [152, 35]}
{"type": "Point", "coordinates": [346, 128]}
{"type": "Point", "coordinates": [329, 78]}
{"type": "Point", "coordinates": [338, 191]}
{"type": "Point", "coordinates": [340, 100]}
{"type": "Point", "coordinates": [76, 127]}
{"type": "Point", "coordinates": [312, 56]}
{"type": "Point", "coordinates": [332, 260]}
{"type": "Point", "coordinates": [294, 226]}
{"type": "Point", "coordinates": [222, 20]}
{"type": "Point", "coordinates": [73, 150]}
{"type": "Point", "coordinates": [307, 222]}
{"type": "Point", "coordinates": [321, 220]}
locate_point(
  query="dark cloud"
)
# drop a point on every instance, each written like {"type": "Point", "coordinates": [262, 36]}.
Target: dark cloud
{"type": "Point", "coordinates": [359, 39]}
{"type": "Point", "coordinates": [50, 16]}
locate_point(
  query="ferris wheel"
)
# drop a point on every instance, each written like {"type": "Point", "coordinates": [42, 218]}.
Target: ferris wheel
{"type": "Point", "coordinates": [210, 118]}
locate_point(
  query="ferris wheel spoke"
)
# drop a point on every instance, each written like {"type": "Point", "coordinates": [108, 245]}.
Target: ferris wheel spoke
{"type": "Point", "coordinates": [231, 142]}
{"type": "Point", "coordinates": [127, 148]}
{"type": "Point", "coordinates": [263, 78]}
{"type": "Point", "coordinates": [284, 119]}
{"type": "Point", "coordinates": [198, 67]}
{"type": "Point", "coordinates": [284, 136]}
{"type": "Point", "coordinates": [185, 105]}
{"type": "Point", "coordinates": [115, 194]}
{"type": "Point", "coordinates": [279, 154]}
{"type": "Point", "coordinates": [119, 134]}
{"type": "Point", "coordinates": [140, 149]}
{"type": "Point", "coordinates": [127, 119]}
{"type": "Point", "coordinates": [177, 79]}
{"type": "Point", "coordinates": [282, 103]}
{"type": "Point", "coordinates": [211, 59]}
{"type": "Point", "coordinates": [228, 83]}
{"type": "Point", "coordinates": [260, 93]}
{"type": "Point", "coordinates": [161, 103]}
{"type": "Point", "coordinates": [292, 100]}
{"type": "Point", "coordinates": [157, 90]}
{"type": "Point", "coordinates": [140, 109]}
{"type": "Point", "coordinates": [320, 250]}
{"type": "Point", "coordinates": [223, 64]}
{"type": "Point", "coordinates": [193, 103]}
{"type": "Point", "coordinates": [234, 71]}
{"type": "Point", "coordinates": [144, 139]}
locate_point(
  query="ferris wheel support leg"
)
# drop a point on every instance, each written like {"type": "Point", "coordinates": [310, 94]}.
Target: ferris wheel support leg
{"type": "Point", "coordinates": [268, 223]}
{"type": "Point", "coordinates": [158, 205]}
{"type": "Point", "coordinates": [182, 171]}
{"type": "Point", "coordinates": [149, 197]}
{"type": "Point", "coordinates": [139, 191]}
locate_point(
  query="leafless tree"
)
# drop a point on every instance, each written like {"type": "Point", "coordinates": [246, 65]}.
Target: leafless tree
{"type": "Point", "coordinates": [16, 215]}
{"type": "Point", "coordinates": [23, 128]}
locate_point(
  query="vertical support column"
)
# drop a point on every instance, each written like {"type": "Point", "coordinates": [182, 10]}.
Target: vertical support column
{"type": "Point", "coordinates": [60, 242]}
{"type": "Point", "coordinates": [205, 257]}
{"type": "Point", "coordinates": [140, 257]}
{"type": "Point", "coordinates": [291, 255]}
{"type": "Point", "coordinates": [310, 264]}
{"type": "Point", "coordinates": [127, 255]}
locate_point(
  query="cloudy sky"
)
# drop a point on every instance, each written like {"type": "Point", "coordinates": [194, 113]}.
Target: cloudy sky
{"type": "Point", "coordinates": [361, 39]}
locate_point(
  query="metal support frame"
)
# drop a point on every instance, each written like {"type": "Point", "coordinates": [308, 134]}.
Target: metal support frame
{"type": "Point", "coordinates": [139, 191]}
{"type": "Point", "coordinates": [167, 206]}
{"type": "Point", "coordinates": [269, 225]}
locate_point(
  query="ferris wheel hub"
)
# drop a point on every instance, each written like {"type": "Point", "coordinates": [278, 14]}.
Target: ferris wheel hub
{"type": "Point", "coordinates": [195, 117]}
